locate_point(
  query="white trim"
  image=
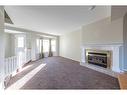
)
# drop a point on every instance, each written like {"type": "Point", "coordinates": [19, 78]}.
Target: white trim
{"type": "Point", "coordinates": [115, 47]}
{"type": "Point", "coordinates": [110, 44]}
{"type": "Point", "coordinates": [124, 70]}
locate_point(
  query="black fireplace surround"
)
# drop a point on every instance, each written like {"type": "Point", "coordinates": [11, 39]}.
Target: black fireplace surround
{"type": "Point", "coordinates": [99, 59]}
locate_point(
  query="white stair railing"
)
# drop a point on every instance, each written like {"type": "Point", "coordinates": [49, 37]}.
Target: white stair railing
{"type": "Point", "coordinates": [11, 65]}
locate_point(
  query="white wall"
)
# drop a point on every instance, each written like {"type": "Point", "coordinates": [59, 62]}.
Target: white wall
{"type": "Point", "coordinates": [103, 32]}
{"type": "Point", "coordinates": [70, 45]}
{"type": "Point", "coordinates": [13, 45]}
{"type": "Point", "coordinates": [1, 47]}
{"type": "Point", "coordinates": [8, 45]}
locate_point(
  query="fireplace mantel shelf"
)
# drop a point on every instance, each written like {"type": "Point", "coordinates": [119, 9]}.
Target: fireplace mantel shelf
{"type": "Point", "coordinates": [109, 45]}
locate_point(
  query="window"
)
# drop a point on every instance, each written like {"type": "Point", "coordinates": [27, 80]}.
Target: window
{"type": "Point", "coordinates": [53, 45]}
{"type": "Point", "coordinates": [39, 44]}
{"type": "Point", "coordinates": [20, 42]}
{"type": "Point", "coordinates": [46, 45]}
{"type": "Point", "coordinates": [37, 41]}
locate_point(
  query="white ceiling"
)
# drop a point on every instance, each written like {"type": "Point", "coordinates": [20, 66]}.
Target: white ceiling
{"type": "Point", "coordinates": [55, 19]}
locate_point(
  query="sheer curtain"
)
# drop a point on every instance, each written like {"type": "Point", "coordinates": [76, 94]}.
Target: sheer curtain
{"type": "Point", "coordinates": [42, 52]}
{"type": "Point", "coordinates": [50, 48]}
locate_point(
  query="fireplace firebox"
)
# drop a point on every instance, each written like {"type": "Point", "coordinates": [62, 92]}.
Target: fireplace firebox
{"type": "Point", "coordinates": [99, 57]}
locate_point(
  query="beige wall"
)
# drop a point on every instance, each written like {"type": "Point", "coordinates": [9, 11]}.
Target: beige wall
{"type": "Point", "coordinates": [118, 12]}
{"type": "Point", "coordinates": [103, 32]}
{"type": "Point", "coordinates": [100, 32]}
{"type": "Point", "coordinates": [70, 45]}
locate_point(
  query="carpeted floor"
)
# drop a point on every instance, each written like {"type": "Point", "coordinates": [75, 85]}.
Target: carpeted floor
{"type": "Point", "coordinates": [62, 73]}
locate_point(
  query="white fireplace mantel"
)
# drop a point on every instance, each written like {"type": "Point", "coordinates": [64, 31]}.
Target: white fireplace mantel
{"type": "Point", "coordinates": [117, 54]}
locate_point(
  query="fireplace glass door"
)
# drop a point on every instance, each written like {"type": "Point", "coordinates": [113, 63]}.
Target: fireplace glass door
{"type": "Point", "coordinates": [98, 57]}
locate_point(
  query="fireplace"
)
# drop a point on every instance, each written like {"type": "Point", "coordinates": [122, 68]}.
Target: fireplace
{"type": "Point", "coordinates": [98, 57]}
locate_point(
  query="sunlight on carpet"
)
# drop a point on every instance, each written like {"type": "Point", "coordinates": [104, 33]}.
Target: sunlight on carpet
{"type": "Point", "coordinates": [17, 85]}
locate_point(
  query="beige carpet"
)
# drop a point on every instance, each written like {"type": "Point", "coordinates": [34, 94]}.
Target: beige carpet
{"type": "Point", "coordinates": [61, 73]}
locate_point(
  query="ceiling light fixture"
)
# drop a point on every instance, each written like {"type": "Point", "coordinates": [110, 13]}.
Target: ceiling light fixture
{"type": "Point", "coordinates": [91, 8]}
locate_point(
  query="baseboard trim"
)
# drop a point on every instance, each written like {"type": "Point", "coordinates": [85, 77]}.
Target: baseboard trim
{"type": "Point", "coordinates": [124, 70]}
{"type": "Point", "coordinates": [70, 59]}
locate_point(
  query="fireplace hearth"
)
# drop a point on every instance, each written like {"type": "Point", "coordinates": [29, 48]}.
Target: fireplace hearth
{"type": "Point", "coordinates": [99, 57]}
